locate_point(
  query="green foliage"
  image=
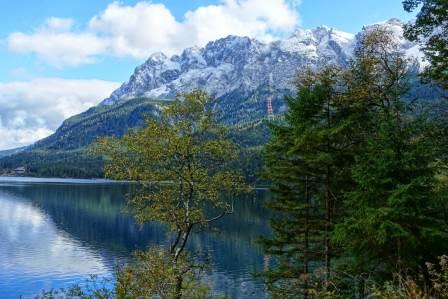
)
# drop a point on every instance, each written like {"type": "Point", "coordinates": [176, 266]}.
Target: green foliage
{"type": "Point", "coordinates": [251, 140]}
{"type": "Point", "coordinates": [406, 287]}
{"type": "Point", "coordinates": [430, 29]}
{"type": "Point", "coordinates": [181, 158]}
{"type": "Point", "coordinates": [306, 161]}
{"type": "Point", "coordinates": [180, 162]}
{"type": "Point", "coordinates": [354, 155]}
{"type": "Point", "coordinates": [154, 275]}
{"type": "Point", "coordinates": [92, 288]}
{"type": "Point", "coordinates": [151, 274]}
{"type": "Point", "coordinates": [394, 219]}
{"type": "Point", "coordinates": [46, 163]}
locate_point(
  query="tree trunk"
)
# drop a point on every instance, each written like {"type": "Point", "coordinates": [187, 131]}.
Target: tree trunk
{"type": "Point", "coordinates": [178, 291]}
{"type": "Point", "coordinates": [328, 208]}
{"type": "Point", "coordinates": [361, 288]}
{"type": "Point", "coordinates": [183, 242]}
{"type": "Point", "coordinates": [305, 253]}
{"type": "Point", "coordinates": [327, 251]}
{"type": "Point", "coordinates": [176, 241]}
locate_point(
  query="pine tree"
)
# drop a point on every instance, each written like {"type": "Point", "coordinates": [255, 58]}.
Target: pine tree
{"type": "Point", "coordinates": [306, 161]}
{"type": "Point", "coordinates": [353, 155]}
{"type": "Point", "coordinates": [393, 217]}
{"type": "Point", "coordinates": [394, 221]}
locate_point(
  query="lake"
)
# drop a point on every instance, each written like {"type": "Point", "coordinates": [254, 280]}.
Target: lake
{"type": "Point", "coordinates": [54, 233]}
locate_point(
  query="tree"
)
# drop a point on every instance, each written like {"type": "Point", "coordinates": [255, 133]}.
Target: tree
{"type": "Point", "coordinates": [154, 275]}
{"type": "Point", "coordinates": [352, 142]}
{"type": "Point", "coordinates": [180, 163]}
{"type": "Point", "coordinates": [394, 221]}
{"type": "Point", "coordinates": [430, 29]}
{"type": "Point", "coordinates": [306, 161]}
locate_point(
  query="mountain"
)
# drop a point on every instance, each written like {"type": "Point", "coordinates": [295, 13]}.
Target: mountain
{"type": "Point", "coordinates": [10, 152]}
{"type": "Point", "coordinates": [65, 153]}
{"type": "Point", "coordinates": [235, 63]}
{"type": "Point", "coordinates": [239, 72]}
{"type": "Point", "coordinates": [81, 130]}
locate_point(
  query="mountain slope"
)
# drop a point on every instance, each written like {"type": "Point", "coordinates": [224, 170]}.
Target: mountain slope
{"type": "Point", "coordinates": [10, 152]}
{"type": "Point", "coordinates": [81, 130]}
{"type": "Point", "coordinates": [64, 154]}
{"type": "Point", "coordinates": [239, 72]}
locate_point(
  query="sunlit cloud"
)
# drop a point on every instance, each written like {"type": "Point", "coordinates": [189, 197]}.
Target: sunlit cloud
{"type": "Point", "coordinates": [146, 27]}
{"type": "Point", "coordinates": [32, 110]}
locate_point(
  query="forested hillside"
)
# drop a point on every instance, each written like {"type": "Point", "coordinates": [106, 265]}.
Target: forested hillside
{"type": "Point", "coordinates": [65, 153]}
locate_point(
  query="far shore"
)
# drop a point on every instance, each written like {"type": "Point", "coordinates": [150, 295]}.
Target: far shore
{"type": "Point", "coordinates": [38, 180]}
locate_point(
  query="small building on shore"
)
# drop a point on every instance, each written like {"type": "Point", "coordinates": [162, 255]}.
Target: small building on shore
{"type": "Point", "coordinates": [20, 170]}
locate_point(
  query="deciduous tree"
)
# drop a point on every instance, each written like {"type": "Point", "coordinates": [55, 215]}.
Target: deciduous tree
{"type": "Point", "coordinates": [180, 162]}
{"type": "Point", "coordinates": [430, 29]}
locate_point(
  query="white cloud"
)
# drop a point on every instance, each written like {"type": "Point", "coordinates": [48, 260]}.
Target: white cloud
{"type": "Point", "coordinates": [145, 28]}
{"type": "Point", "coordinates": [57, 44]}
{"type": "Point", "coordinates": [33, 109]}
{"type": "Point", "coordinates": [58, 24]}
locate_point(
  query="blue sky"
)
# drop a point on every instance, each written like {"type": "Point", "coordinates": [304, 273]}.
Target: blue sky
{"type": "Point", "coordinates": [58, 57]}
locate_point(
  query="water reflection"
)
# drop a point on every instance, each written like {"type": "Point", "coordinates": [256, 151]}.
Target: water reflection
{"type": "Point", "coordinates": [54, 234]}
{"type": "Point", "coordinates": [35, 254]}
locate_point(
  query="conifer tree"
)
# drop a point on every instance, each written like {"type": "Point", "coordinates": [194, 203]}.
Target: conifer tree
{"type": "Point", "coordinates": [352, 154]}
{"type": "Point", "coordinates": [393, 220]}
{"type": "Point", "coordinates": [306, 162]}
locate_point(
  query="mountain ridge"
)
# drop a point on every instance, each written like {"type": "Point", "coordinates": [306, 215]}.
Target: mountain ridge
{"type": "Point", "coordinates": [233, 62]}
{"type": "Point", "coordinates": [240, 73]}
{"type": "Point", "coordinates": [219, 66]}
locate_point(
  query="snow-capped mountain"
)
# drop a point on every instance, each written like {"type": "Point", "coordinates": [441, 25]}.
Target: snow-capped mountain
{"type": "Point", "coordinates": [236, 70]}
{"type": "Point", "coordinates": [235, 63]}
{"type": "Point", "coordinates": [395, 26]}
{"type": "Point", "coordinates": [240, 72]}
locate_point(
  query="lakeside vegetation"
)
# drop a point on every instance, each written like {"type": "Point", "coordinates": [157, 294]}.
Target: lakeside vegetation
{"type": "Point", "coordinates": [180, 162]}
{"type": "Point", "coordinates": [359, 174]}
{"type": "Point", "coordinates": [355, 173]}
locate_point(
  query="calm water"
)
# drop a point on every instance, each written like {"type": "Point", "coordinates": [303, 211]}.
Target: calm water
{"type": "Point", "coordinates": [56, 233]}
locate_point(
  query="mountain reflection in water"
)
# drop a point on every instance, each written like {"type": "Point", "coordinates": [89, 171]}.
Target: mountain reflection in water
{"type": "Point", "coordinates": [54, 234]}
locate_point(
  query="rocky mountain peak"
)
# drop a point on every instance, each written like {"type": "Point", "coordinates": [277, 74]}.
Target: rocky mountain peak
{"type": "Point", "coordinates": [239, 67]}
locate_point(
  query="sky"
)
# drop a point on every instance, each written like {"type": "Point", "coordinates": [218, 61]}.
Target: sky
{"type": "Point", "coordinates": [58, 58]}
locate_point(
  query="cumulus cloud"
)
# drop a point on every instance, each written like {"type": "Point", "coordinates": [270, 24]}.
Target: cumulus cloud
{"type": "Point", "coordinates": [33, 109]}
{"type": "Point", "coordinates": [145, 28]}
{"type": "Point", "coordinates": [57, 44]}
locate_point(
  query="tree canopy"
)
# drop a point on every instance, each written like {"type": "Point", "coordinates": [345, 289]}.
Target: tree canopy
{"type": "Point", "coordinates": [430, 29]}
{"type": "Point", "coordinates": [180, 162]}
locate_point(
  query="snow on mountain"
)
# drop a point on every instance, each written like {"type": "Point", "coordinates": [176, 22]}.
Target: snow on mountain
{"type": "Point", "coordinates": [237, 69]}
{"type": "Point", "coordinates": [234, 63]}
{"type": "Point", "coordinates": [410, 49]}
